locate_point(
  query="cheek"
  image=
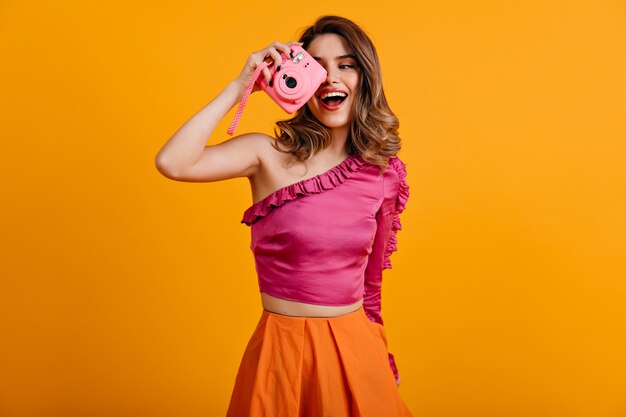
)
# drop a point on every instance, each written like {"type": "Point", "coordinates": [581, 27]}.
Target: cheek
{"type": "Point", "coordinates": [355, 82]}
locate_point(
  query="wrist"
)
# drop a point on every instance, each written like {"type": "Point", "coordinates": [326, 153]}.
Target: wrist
{"type": "Point", "coordinates": [239, 88]}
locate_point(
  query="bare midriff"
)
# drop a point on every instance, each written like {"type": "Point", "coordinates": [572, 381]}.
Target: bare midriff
{"type": "Point", "coordinates": [298, 309]}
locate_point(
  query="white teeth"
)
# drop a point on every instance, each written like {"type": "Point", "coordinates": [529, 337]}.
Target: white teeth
{"type": "Point", "coordinates": [333, 94]}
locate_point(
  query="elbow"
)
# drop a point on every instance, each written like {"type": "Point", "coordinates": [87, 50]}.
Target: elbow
{"type": "Point", "coordinates": [164, 167]}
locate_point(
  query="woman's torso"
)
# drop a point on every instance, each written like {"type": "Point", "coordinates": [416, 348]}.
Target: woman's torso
{"type": "Point", "coordinates": [276, 171]}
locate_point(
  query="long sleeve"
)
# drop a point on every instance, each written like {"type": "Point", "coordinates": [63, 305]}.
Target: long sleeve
{"type": "Point", "coordinates": [396, 193]}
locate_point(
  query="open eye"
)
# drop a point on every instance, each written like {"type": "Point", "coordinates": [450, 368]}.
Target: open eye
{"type": "Point", "coordinates": [342, 66]}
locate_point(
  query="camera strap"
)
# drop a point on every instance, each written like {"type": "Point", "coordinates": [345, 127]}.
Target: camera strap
{"type": "Point", "coordinates": [246, 95]}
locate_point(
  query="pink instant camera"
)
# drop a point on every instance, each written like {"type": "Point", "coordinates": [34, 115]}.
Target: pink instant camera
{"type": "Point", "coordinates": [298, 79]}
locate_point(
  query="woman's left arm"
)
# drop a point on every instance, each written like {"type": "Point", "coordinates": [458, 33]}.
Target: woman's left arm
{"type": "Point", "coordinates": [396, 193]}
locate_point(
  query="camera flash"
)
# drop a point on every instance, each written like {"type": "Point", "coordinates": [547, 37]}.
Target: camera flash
{"type": "Point", "coordinates": [298, 57]}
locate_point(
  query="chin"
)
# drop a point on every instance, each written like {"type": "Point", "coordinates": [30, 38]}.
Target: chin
{"type": "Point", "coordinates": [332, 121]}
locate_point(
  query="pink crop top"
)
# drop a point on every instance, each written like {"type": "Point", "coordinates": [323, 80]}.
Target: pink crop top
{"type": "Point", "coordinates": [326, 239]}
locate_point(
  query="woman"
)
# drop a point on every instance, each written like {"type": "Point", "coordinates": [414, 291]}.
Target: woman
{"type": "Point", "coordinates": [327, 192]}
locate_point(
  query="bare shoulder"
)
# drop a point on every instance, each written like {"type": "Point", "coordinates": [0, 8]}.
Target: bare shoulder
{"type": "Point", "coordinates": [263, 147]}
{"type": "Point", "coordinates": [245, 154]}
{"type": "Point", "coordinates": [275, 170]}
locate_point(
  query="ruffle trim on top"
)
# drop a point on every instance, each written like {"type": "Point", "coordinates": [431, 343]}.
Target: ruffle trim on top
{"type": "Point", "coordinates": [327, 180]}
{"type": "Point", "coordinates": [401, 200]}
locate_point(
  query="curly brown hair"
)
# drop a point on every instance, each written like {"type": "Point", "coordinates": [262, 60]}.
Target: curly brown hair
{"type": "Point", "coordinates": [374, 130]}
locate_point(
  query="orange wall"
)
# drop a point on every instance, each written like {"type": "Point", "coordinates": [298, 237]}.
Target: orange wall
{"type": "Point", "coordinates": [127, 294]}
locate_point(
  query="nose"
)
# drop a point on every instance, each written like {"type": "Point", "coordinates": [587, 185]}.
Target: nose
{"type": "Point", "coordinates": [332, 75]}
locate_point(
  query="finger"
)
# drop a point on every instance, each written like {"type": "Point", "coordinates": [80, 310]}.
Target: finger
{"type": "Point", "coordinates": [295, 43]}
{"type": "Point", "coordinates": [267, 75]}
{"type": "Point", "coordinates": [267, 59]}
{"type": "Point", "coordinates": [282, 48]}
{"type": "Point", "coordinates": [257, 59]}
{"type": "Point", "coordinates": [276, 58]}
{"type": "Point", "coordinates": [290, 51]}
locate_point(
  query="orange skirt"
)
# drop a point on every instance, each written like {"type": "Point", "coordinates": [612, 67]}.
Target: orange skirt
{"type": "Point", "coordinates": [316, 366]}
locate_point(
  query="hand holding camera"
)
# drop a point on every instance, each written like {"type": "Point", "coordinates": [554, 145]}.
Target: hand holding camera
{"type": "Point", "coordinates": [290, 80]}
{"type": "Point", "coordinates": [270, 54]}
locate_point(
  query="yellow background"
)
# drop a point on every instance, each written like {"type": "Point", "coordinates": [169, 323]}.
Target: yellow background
{"type": "Point", "coordinates": [124, 293]}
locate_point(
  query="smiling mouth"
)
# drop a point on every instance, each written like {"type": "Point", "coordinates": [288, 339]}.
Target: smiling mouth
{"type": "Point", "coordinates": [332, 102]}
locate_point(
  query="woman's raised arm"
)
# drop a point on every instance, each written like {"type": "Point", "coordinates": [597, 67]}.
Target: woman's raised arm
{"type": "Point", "coordinates": [186, 157]}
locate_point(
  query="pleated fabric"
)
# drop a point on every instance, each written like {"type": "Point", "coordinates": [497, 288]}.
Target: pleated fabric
{"type": "Point", "coordinates": [316, 367]}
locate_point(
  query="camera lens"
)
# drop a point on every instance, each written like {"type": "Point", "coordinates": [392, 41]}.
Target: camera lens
{"type": "Point", "coordinates": [291, 82]}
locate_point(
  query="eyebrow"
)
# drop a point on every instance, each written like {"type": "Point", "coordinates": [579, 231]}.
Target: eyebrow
{"type": "Point", "coordinates": [317, 58]}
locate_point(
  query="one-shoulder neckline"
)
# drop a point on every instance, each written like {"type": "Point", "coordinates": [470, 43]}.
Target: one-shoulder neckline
{"type": "Point", "coordinates": [311, 185]}
{"type": "Point", "coordinates": [334, 167]}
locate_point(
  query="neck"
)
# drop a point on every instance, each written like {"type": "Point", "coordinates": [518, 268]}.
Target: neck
{"type": "Point", "coordinates": [338, 146]}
